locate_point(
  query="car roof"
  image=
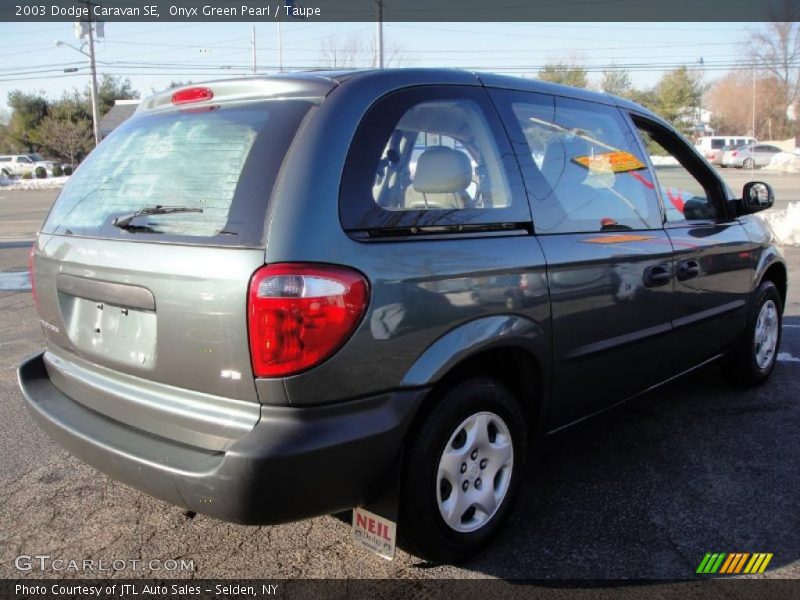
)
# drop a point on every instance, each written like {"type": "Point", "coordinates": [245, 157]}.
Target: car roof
{"type": "Point", "coordinates": [457, 76]}
{"type": "Point", "coordinates": [320, 83]}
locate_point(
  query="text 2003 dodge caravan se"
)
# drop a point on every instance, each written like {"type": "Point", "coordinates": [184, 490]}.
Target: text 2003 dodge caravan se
{"type": "Point", "coordinates": [263, 297]}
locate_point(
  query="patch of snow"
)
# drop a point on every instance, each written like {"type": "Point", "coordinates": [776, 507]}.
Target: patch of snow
{"type": "Point", "coordinates": [786, 357]}
{"type": "Point", "coordinates": [664, 161]}
{"type": "Point", "coordinates": [33, 184]}
{"type": "Point", "coordinates": [785, 224]}
{"type": "Point", "coordinates": [15, 281]}
{"type": "Point", "coordinates": [784, 162]}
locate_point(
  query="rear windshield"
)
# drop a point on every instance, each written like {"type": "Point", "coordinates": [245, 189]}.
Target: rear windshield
{"type": "Point", "coordinates": [211, 171]}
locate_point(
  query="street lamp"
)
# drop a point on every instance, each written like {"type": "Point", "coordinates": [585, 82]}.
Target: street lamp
{"type": "Point", "coordinates": [93, 87]}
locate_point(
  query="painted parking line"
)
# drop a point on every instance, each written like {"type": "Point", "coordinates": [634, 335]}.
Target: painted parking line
{"type": "Point", "coordinates": [786, 357]}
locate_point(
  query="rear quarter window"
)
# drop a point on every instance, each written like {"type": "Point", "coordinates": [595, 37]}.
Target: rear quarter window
{"type": "Point", "coordinates": [431, 157]}
{"type": "Point", "coordinates": [221, 163]}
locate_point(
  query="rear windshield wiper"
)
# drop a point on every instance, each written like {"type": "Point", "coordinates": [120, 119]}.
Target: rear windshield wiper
{"type": "Point", "coordinates": [125, 222]}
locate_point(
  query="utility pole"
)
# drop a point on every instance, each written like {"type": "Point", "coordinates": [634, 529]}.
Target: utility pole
{"type": "Point", "coordinates": [93, 68]}
{"type": "Point", "coordinates": [754, 102]}
{"type": "Point", "coordinates": [280, 47]}
{"type": "Point", "coordinates": [379, 40]}
{"type": "Point", "coordinates": [700, 103]}
{"type": "Point", "coordinates": [253, 41]}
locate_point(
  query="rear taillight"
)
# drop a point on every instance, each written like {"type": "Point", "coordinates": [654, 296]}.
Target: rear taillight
{"type": "Point", "coordinates": [300, 314]}
{"type": "Point", "coordinates": [735, 153]}
{"type": "Point", "coordinates": [32, 275]}
{"type": "Point", "coordinates": [194, 94]}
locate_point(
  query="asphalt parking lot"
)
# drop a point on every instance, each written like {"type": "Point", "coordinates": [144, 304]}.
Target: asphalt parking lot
{"type": "Point", "coordinates": [643, 491]}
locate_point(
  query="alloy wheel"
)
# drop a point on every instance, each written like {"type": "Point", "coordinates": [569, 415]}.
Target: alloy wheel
{"type": "Point", "coordinates": [474, 472]}
{"type": "Point", "coordinates": [765, 340]}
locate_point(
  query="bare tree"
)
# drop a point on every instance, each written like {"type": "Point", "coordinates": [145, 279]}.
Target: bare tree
{"type": "Point", "coordinates": [66, 138]}
{"type": "Point", "coordinates": [346, 52]}
{"type": "Point", "coordinates": [354, 51]}
{"type": "Point", "coordinates": [776, 51]}
{"type": "Point", "coordinates": [728, 99]}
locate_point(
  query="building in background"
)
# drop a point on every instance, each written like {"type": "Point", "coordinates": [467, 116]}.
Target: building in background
{"type": "Point", "coordinates": [119, 113]}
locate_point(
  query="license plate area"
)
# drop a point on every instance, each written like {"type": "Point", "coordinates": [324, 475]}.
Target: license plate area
{"type": "Point", "coordinates": [110, 332]}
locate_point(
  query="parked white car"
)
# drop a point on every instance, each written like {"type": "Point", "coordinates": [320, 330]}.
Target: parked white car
{"type": "Point", "coordinates": [19, 164]}
{"type": "Point", "coordinates": [712, 147]}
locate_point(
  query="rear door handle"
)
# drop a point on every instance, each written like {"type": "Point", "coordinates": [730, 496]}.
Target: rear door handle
{"type": "Point", "coordinates": [687, 269]}
{"type": "Point", "coordinates": [657, 275]}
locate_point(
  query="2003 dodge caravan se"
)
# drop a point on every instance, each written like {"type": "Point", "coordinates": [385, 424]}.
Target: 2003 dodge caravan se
{"type": "Point", "coordinates": [262, 297]}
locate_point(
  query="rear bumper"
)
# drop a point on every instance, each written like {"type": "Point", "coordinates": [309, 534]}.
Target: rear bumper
{"type": "Point", "coordinates": [295, 463]}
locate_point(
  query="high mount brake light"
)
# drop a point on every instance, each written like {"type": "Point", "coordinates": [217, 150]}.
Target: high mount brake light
{"type": "Point", "coordinates": [194, 94]}
{"type": "Point", "coordinates": [300, 314]}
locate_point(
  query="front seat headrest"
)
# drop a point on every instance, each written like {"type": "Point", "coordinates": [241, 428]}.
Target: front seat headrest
{"type": "Point", "coordinates": [558, 166]}
{"type": "Point", "coordinates": [442, 170]}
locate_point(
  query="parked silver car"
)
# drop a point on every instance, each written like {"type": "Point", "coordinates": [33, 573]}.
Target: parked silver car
{"type": "Point", "coordinates": [749, 157]}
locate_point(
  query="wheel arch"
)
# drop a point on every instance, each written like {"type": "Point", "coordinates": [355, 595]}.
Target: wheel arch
{"type": "Point", "coordinates": [774, 270]}
{"type": "Point", "coordinates": [510, 348]}
{"type": "Point", "coordinates": [776, 273]}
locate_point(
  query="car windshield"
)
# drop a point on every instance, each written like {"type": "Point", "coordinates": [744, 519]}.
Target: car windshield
{"type": "Point", "coordinates": [36, 157]}
{"type": "Point", "coordinates": [221, 161]}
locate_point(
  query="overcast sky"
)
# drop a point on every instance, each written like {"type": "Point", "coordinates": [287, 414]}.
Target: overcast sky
{"type": "Point", "coordinates": [153, 54]}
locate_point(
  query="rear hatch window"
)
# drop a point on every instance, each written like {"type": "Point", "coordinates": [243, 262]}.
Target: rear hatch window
{"type": "Point", "coordinates": [196, 176]}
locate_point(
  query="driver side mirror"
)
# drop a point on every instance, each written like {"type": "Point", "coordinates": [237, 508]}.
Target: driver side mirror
{"type": "Point", "coordinates": [756, 196]}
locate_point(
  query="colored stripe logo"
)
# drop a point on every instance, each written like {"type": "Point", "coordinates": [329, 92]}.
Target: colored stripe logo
{"type": "Point", "coordinates": [734, 563]}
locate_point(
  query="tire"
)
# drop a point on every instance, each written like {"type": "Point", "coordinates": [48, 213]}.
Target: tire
{"type": "Point", "coordinates": [748, 163]}
{"type": "Point", "coordinates": [480, 422]}
{"type": "Point", "coordinates": [754, 358]}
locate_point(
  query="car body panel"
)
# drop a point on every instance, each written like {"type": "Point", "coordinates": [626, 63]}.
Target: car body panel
{"type": "Point", "coordinates": [710, 308]}
{"type": "Point", "coordinates": [766, 251]}
{"type": "Point", "coordinates": [412, 305]}
{"type": "Point", "coordinates": [477, 336]}
{"type": "Point", "coordinates": [194, 339]}
{"type": "Point", "coordinates": [610, 332]}
{"type": "Point", "coordinates": [270, 475]}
